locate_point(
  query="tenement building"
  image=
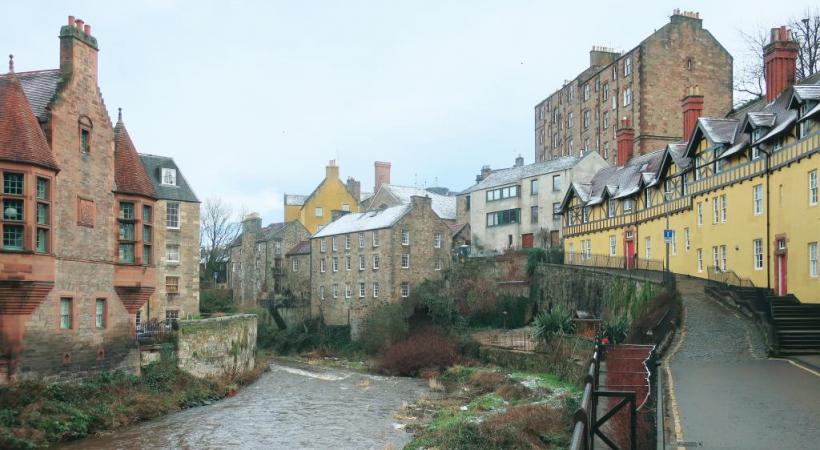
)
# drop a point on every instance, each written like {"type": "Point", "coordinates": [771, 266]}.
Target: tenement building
{"type": "Point", "coordinates": [363, 260]}
{"type": "Point", "coordinates": [643, 85]}
{"type": "Point", "coordinates": [77, 256]}
{"type": "Point", "coordinates": [256, 268]}
{"type": "Point", "coordinates": [740, 193]}
{"type": "Point", "coordinates": [443, 201]}
{"type": "Point", "coordinates": [519, 206]}
{"type": "Point", "coordinates": [176, 243]}
{"type": "Point", "coordinates": [330, 199]}
{"type": "Point", "coordinates": [297, 264]}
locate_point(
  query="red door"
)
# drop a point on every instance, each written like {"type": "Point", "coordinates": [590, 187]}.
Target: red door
{"type": "Point", "coordinates": [527, 240]}
{"type": "Point", "coordinates": [630, 254]}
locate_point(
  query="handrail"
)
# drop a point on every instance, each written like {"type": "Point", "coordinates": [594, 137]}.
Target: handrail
{"type": "Point", "coordinates": [727, 277]}
{"type": "Point", "coordinates": [612, 262]}
{"type": "Point", "coordinates": [583, 415]}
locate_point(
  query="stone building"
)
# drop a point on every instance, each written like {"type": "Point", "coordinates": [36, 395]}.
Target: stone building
{"type": "Point", "coordinates": [77, 259]}
{"type": "Point", "coordinates": [643, 84]}
{"type": "Point", "coordinates": [330, 199]}
{"type": "Point", "coordinates": [256, 268]}
{"type": "Point", "coordinates": [519, 206]}
{"type": "Point", "coordinates": [366, 259]}
{"type": "Point", "coordinates": [297, 265]}
{"type": "Point", "coordinates": [387, 195]}
{"type": "Point", "coordinates": [176, 243]}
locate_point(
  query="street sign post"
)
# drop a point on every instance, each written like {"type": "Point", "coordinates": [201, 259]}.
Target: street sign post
{"type": "Point", "coordinates": [668, 235]}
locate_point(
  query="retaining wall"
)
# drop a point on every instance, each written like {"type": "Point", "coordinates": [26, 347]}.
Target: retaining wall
{"type": "Point", "coordinates": [217, 346]}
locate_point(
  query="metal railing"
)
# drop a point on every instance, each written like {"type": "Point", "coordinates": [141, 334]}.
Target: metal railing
{"type": "Point", "coordinates": [585, 414]}
{"type": "Point", "coordinates": [727, 277]}
{"type": "Point", "coordinates": [612, 262]}
{"type": "Point", "coordinates": [156, 331]}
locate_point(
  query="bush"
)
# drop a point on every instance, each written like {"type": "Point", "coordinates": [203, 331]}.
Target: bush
{"type": "Point", "coordinates": [486, 381]}
{"type": "Point", "coordinates": [384, 327]}
{"type": "Point", "coordinates": [527, 426]}
{"type": "Point", "coordinates": [535, 256]}
{"type": "Point", "coordinates": [427, 347]}
{"type": "Point", "coordinates": [513, 391]}
{"type": "Point", "coordinates": [616, 331]}
{"type": "Point", "coordinates": [216, 301]}
{"type": "Point", "coordinates": [548, 324]}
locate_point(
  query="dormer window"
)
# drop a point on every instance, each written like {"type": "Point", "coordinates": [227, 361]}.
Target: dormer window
{"type": "Point", "coordinates": [802, 127]}
{"type": "Point", "coordinates": [169, 177]}
{"type": "Point", "coordinates": [757, 133]}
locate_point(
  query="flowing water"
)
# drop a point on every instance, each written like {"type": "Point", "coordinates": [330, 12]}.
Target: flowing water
{"type": "Point", "coordinates": [294, 406]}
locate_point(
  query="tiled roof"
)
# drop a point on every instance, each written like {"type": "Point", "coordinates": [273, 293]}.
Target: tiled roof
{"type": "Point", "coordinates": [807, 91]}
{"type": "Point", "coordinates": [302, 248]}
{"type": "Point", "coordinates": [455, 227]}
{"type": "Point", "coordinates": [271, 230]}
{"type": "Point", "coordinates": [21, 138]}
{"type": "Point", "coordinates": [623, 181]}
{"type": "Point", "coordinates": [295, 200]}
{"type": "Point", "coordinates": [129, 173]}
{"type": "Point", "coordinates": [182, 191]}
{"type": "Point", "coordinates": [370, 220]}
{"type": "Point", "coordinates": [761, 119]}
{"type": "Point", "coordinates": [40, 87]}
{"type": "Point", "coordinates": [719, 131]}
{"type": "Point", "coordinates": [514, 174]}
{"type": "Point", "coordinates": [443, 205]}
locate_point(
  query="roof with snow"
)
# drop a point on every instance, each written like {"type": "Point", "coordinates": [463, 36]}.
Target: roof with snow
{"type": "Point", "coordinates": [365, 221]}
{"type": "Point", "coordinates": [515, 174]}
{"type": "Point", "coordinates": [295, 200]}
{"type": "Point", "coordinates": [443, 205]}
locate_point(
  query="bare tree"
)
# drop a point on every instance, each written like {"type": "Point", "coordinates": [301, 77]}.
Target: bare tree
{"type": "Point", "coordinates": [220, 226]}
{"type": "Point", "coordinates": [750, 80]}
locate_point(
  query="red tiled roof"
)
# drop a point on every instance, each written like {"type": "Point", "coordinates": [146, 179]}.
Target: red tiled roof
{"type": "Point", "coordinates": [302, 248]}
{"type": "Point", "coordinates": [21, 138]}
{"type": "Point", "coordinates": [455, 227]}
{"type": "Point", "coordinates": [129, 173]}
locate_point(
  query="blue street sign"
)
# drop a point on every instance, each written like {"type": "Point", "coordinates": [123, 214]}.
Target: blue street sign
{"type": "Point", "coordinates": [668, 235]}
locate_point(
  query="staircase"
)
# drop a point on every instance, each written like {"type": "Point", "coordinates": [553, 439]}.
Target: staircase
{"type": "Point", "coordinates": [797, 325]}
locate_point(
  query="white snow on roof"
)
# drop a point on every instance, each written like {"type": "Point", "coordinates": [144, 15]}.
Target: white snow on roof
{"type": "Point", "coordinates": [443, 205]}
{"type": "Point", "coordinates": [791, 116]}
{"type": "Point", "coordinates": [370, 220]}
{"type": "Point", "coordinates": [295, 200]}
{"type": "Point", "coordinates": [514, 174]}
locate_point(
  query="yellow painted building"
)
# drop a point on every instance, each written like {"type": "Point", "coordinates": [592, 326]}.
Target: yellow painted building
{"type": "Point", "coordinates": [318, 209]}
{"type": "Point", "coordinates": [741, 197]}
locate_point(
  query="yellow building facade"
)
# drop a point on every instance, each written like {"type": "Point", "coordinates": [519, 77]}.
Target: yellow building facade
{"type": "Point", "coordinates": [319, 208]}
{"type": "Point", "coordinates": [741, 197]}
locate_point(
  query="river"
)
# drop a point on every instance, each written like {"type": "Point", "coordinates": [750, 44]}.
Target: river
{"type": "Point", "coordinates": [294, 406]}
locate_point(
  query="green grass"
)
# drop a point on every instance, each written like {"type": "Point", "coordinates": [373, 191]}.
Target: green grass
{"type": "Point", "coordinates": [458, 374]}
{"type": "Point", "coordinates": [546, 380]}
{"type": "Point", "coordinates": [486, 402]}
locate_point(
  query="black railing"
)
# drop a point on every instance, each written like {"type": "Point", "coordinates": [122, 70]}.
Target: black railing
{"type": "Point", "coordinates": [585, 414]}
{"type": "Point", "coordinates": [612, 262]}
{"type": "Point", "coordinates": [157, 331]}
{"type": "Point", "coordinates": [727, 277]}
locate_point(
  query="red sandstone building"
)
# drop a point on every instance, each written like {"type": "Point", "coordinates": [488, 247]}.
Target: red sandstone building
{"type": "Point", "coordinates": [76, 256]}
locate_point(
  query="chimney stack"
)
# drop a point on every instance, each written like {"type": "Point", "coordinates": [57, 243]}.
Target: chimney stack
{"type": "Point", "coordinates": [354, 188]}
{"type": "Point", "coordinates": [252, 223]}
{"type": "Point", "coordinates": [692, 106]}
{"type": "Point", "coordinates": [78, 51]}
{"type": "Point", "coordinates": [519, 161]}
{"type": "Point", "coordinates": [779, 62]}
{"type": "Point", "coordinates": [382, 174]}
{"type": "Point", "coordinates": [485, 172]}
{"type": "Point", "coordinates": [625, 135]}
{"type": "Point", "coordinates": [332, 170]}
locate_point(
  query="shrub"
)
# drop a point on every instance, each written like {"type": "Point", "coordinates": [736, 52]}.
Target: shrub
{"type": "Point", "coordinates": [513, 391]}
{"type": "Point", "coordinates": [384, 327]}
{"type": "Point", "coordinates": [535, 256]}
{"type": "Point", "coordinates": [616, 331]}
{"type": "Point", "coordinates": [548, 324]}
{"type": "Point", "coordinates": [486, 381]}
{"type": "Point", "coordinates": [427, 347]}
{"type": "Point", "coordinates": [527, 426]}
{"type": "Point", "coordinates": [216, 301]}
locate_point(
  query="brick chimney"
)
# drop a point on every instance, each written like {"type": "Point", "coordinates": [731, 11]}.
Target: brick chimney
{"type": "Point", "coordinates": [78, 50]}
{"type": "Point", "coordinates": [625, 135]}
{"type": "Point", "coordinates": [382, 174]}
{"type": "Point", "coordinates": [332, 170]}
{"type": "Point", "coordinates": [519, 161]}
{"type": "Point", "coordinates": [779, 62]}
{"type": "Point", "coordinates": [692, 107]}
{"type": "Point", "coordinates": [354, 188]}
{"type": "Point", "coordinates": [485, 172]}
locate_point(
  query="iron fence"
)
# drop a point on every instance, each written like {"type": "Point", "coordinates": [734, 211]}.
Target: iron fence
{"type": "Point", "coordinates": [612, 262]}
{"type": "Point", "coordinates": [727, 277]}
{"type": "Point", "coordinates": [156, 331]}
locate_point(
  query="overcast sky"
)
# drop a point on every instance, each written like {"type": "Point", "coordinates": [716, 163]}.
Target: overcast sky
{"type": "Point", "coordinates": [252, 98]}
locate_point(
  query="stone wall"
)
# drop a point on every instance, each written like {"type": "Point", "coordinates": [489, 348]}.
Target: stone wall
{"type": "Point", "coordinates": [218, 346]}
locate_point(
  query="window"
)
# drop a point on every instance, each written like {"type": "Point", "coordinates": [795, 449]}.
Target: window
{"type": "Point", "coordinates": [66, 316]}
{"type": "Point", "coordinates": [346, 207]}
{"type": "Point", "coordinates": [585, 214]}
{"type": "Point", "coordinates": [534, 186]}
{"type": "Point", "coordinates": [506, 217]}
{"type": "Point", "coordinates": [295, 264]}
{"type": "Point", "coordinates": [614, 71]}
{"type": "Point", "coordinates": [348, 263]}
{"type": "Point", "coordinates": [628, 66]}
{"type": "Point", "coordinates": [334, 290]}
{"type": "Point", "coordinates": [556, 210]}
{"type": "Point", "coordinates": [673, 244]}
{"type": "Point", "coordinates": [169, 176]}
{"type": "Point", "coordinates": [348, 291]}
{"type": "Point", "coordinates": [321, 292]}
{"type": "Point", "coordinates": [172, 215]}
{"type": "Point", "coordinates": [375, 239]}
{"type": "Point", "coordinates": [723, 258]}
{"type": "Point", "coordinates": [376, 262]}
{"type": "Point", "coordinates": [700, 213]}
{"type": "Point", "coordinates": [361, 290]}
{"type": "Point", "coordinates": [813, 187]}
{"type": "Point", "coordinates": [333, 244]}
{"type": "Point", "coordinates": [613, 245]}
{"type": "Point", "coordinates": [627, 205]}
{"type": "Point", "coordinates": [700, 259]}
{"type": "Point", "coordinates": [723, 208]}
{"type": "Point", "coordinates": [322, 245]}
{"type": "Point", "coordinates": [437, 240]}
{"type": "Point", "coordinates": [757, 245]}
{"type": "Point", "coordinates": [405, 237]}
{"type": "Point", "coordinates": [138, 320]}
{"type": "Point", "coordinates": [172, 285]}
{"type": "Point", "coordinates": [361, 240]}
{"type": "Point", "coordinates": [437, 265]}
{"type": "Point", "coordinates": [715, 258]}
{"type": "Point", "coordinates": [570, 117]}
{"type": "Point", "coordinates": [606, 120]}
{"type": "Point", "coordinates": [647, 199]}
{"type": "Point", "coordinates": [715, 210]}
{"type": "Point", "coordinates": [172, 254]}
{"type": "Point", "coordinates": [502, 193]}
{"type": "Point", "coordinates": [361, 262]}
{"type": "Point", "coordinates": [147, 233]}
{"type": "Point", "coordinates": [533, 214]}
{"type": "Point", "coordinates": [813, 259]}
{"type": "Point", "coordinates": [556, 183]}
{"type": "Point", "coordinates": [322, 265]}
{"type": "Point", "coordinates": [686, 240]}
{"type": "Point", "coordinates": [467, 202]}
{"type": "Point", "coordinates": [606, 150]}
{"type": "Point", "coordinates": [126, 235]}
{"type": "Point", "coordinates": [586, 119]}
{"type": "Point", "coordinates": [347, 242]}
{"type": "Point", "coordinates": [375, 289]}
{"type": "Point", "coordinates": [318, 212]}
{"type": "Point", "coordinates": [85, 141]}
{"type": "Point", "coordinates": [99, 313]}
{"type": "Point", "coordinates": [648, 243]}
{"type": "Point", "coordinates": [757, 190]}
{"type": "Point", "coordinates": [627, 96]}
{"type": "Point", "coordinates": [405, 260]}
{"type": "Point", "coordinates": [334, 264]}
{"type": "Point", "coordinates": [586, 92]}
{"type": "Point", "coordinates": [405, 289]}
{"type": "Point", "coordinates": [605, 94]}
{"type": "Point", "coordinates": [611, 206]}
{"type": "Point", "coordinates": [569, 147]}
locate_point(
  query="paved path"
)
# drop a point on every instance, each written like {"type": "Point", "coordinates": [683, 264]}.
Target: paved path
{"type": "Point", "coordinates": [725, 392]}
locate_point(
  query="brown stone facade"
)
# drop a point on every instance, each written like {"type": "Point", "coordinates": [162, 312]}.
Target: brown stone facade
{"type": "Point", "coordinates": [427, 260]}
{"type": "Point", "coordinates": [584, 114]}
{"type": "Point", "coordinates": [297, 267]}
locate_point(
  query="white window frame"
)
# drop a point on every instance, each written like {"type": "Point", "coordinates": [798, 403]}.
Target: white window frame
{"type": "Point", "coordinates": [169, 253]}
{"type": "Point", "coordinates": [361, 240]}
{"type": "Point", "coordinates": [723, 258]}
{"type": "Point", "coordinates": [700, 259]}
{"type": "Point", "coordinates": [362, 264]}
{"type": "Point", "coordinates": [319, 212]}
{"type": "Point", "coordinates": [648, 247]}
{"type": "Point", "coordinates": [322, 265]}
{"type": "Point", "coordinates": [757, 248]}
{"type": "Point", "coordinates": [405, 260]}
{"type": "Point", "coordinates": [376, 289]}
{"type": "Point", "coordinates": [169, 177]}
{"type": "Point", "coordinates": [172, 221]}
{"type": "Point", "coordinates": [375, 238]}
{"type": "Point", "coordinates": [376, 262]}
{"type": "Point", "coordinates": [437, 265]}
{"type": "Point", "coordinates": [405, 237]}
{"type": "Point", "coordinates": [347, 242]}
{"type": "Point", "coordinates": [294, 265]}
{"type": "Point", "coordinates": [334, 264]}
{"type": "Point", "coordinates": [322, 245]}
{"type": "Point", "coordinates": [362, 290]}
{"type": "Point", "coordinates": [687, 242]}
{"type": "Point", "coordinates": [404, 289]}
{"type": "Point", "coordinates": [321, 292]}
{"type": "Point", "coordinates": [627, 96]}
{"type": "Point", "coordinates": [812, 251]}
{"type": "Point", "coordinates": [437, 240]}
{"type": "Point", "coordinates": [348, 291]}
{"type": "Point", "coordinates": [334, 290]}
{"type": "Point", "coordinates": [333, 244]}
{"type": "Point", "coordinates": [611, 205]}
{"type": "Point", "coordinates": [715, 210]}
{"type": "Point", "coordinates": [723, 207]}
{"type": "Point", "coordinates": [700, 213]}
{"type": "Point", "coordinates": [813, 188]}
{"type": "Point", "coordinates": [757, 199]}
{"type": "Point", "coordinates": [613, 244]}
{"type": "Point", "coordinates": [348, 263]}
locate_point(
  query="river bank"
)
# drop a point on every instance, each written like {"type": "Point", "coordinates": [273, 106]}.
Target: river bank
{"type": "Point", "coordinates": [34, 414]}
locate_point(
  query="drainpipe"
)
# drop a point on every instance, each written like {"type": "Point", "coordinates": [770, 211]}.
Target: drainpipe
{"type": "Point", "coordinates": [768, 222]}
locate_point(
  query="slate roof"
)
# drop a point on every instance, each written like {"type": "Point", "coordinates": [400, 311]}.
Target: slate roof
{"type": "Point", "coordinates": [719, 131]}
{"type": "Point", "coordinates": [21, 138]}
{"type": "Point", "coordinates": [443, 205]}
{"type": "Point", "coordinates": [182, 192]}
{"type": "Point", "coordinates": [370, 220]}
{"type": "Point", "coordinates": [302, 248]}
{"type": "Point", "coordinates": [295, 200]}
{"type": "Point", "coordinates": [807, 91]}
{"type": "Point", "coordinates": [620, 182]}
{"type": "Point", "coordinates": [129, 174]}
{"type": "Point", "coordinates": [514, 174]}
{"type": "Point", "coordinates": [40, 87]}
{"type": "Point", "coordinates": [268, 232]}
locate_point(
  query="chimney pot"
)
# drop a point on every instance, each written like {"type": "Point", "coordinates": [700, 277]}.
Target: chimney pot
{"type": "Point", "coordinates": [71, 21]}
{"type": "Point", "coordinates": [79, 23]}
{"type": "Point", "coordinates": [87, 30]}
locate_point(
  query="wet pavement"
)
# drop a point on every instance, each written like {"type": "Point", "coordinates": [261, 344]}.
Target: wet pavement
{"type": "Point", "coordinates": [727, 393]}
